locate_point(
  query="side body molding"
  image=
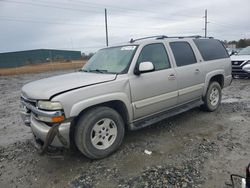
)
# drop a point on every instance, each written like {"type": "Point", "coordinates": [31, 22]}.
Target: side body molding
{"type": "Point", "coordinates": [156, 99]}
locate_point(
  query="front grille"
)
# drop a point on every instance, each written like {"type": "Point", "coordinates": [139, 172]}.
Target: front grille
{"type": "Point", "coordinates": [237, 63]}
{"type": "Point", "coordinates": [237, 67]}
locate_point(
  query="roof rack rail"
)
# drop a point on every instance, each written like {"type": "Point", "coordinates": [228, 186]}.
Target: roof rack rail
{"type": "Point", "coordinates": [164, 36]}
{"type": "Point", "coordinates": [191, 36]}
{"type": "Point", "coordinates": [156, 36]}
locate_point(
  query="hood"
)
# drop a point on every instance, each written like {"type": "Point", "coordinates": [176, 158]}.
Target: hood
{"type": "Point", "coordinates": [46, 88]}
{"type": "Point", "coordinates": [240, 57]}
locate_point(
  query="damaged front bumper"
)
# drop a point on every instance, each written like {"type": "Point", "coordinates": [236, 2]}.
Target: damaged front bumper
{"type": "Point", "coordinates": [29, 113]}
{"type": "Point", "coordinates": [40, 131]}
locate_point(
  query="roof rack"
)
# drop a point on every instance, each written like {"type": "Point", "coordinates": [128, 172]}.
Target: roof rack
{"type": "Point", "coordinates": [164, 36]}
{"type": "Point", "coordinates": [182, 37]}
{"type": "Point", "coordinates": [156, 37]}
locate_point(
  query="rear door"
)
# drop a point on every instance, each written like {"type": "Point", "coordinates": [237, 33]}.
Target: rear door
{"type": "Point", "coordinates": [190, 81]}
{"type": "Point", "coordinates": [154, 91]}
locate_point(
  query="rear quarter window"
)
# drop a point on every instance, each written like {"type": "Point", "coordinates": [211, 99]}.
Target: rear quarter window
{"type": "Point", "coordinates": [211, 49]}
{"type": "Point", "coordinates": [183, 53]}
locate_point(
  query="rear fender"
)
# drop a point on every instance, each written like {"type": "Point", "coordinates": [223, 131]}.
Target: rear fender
{"type": "Point", "coordinates": [209, 76]}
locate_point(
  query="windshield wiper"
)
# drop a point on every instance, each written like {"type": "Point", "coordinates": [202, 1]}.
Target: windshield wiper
{"type": "Point", "coordinates": [98, 70]}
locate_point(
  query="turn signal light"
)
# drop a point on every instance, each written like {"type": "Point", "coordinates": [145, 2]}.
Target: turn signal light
{"type": "Point", "coordinates": [57, 119]}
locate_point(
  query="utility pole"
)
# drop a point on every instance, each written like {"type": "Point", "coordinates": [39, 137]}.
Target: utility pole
{"type": "Point", "coordinates": [106, 27]}
{"type": "Point", "coordinates": [206, 22]}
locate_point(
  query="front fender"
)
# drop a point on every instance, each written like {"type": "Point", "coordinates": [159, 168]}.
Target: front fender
{"type": "Point", "coordinates": [81, 105]}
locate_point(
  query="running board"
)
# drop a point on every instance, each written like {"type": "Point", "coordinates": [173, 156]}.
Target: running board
{"type": "Point", "coordinates": [163, 115]}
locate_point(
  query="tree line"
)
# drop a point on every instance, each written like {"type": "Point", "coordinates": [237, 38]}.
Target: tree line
{"type": "Point", "coordinates": [242, 43]}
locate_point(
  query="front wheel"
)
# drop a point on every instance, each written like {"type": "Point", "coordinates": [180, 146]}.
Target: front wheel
{"type": "Point", "coordinates": [213, 97]}
{"type": "Point", "coordinates": [99, 132]}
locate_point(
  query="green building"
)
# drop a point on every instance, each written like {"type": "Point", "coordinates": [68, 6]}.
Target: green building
{"type": "Point", "coordinates": [30, 57]}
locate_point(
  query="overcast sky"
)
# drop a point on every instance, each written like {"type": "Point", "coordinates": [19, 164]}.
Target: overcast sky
{"type": "Point", "coordinates": [79, 24]}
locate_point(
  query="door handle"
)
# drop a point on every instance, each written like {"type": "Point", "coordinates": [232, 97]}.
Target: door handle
{"type": "Point", "coordinates": [171, 77]}
{"type": "Point", "coordinates": [197, 71]}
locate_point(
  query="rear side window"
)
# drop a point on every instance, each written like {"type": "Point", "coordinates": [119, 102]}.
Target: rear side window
{"type": "Point", "coordinates": [183, 53]}
{"type": "Point", "coordinates": [156, 54]}
{"type": "Point", "coordinates": [211, 49]}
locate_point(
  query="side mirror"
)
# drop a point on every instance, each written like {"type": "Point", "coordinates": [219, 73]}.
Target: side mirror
{"type": "Point", "coordinates": [143, 67]}
{"type": "Point", "coordinates": [234, 52]}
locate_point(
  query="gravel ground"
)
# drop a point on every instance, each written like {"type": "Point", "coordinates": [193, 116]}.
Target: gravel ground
{"type": "Point", "coordinates": [193, 149]}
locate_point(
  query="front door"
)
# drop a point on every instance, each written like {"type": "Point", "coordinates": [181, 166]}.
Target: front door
{"type": "Point", "coordinates": [154, 91]}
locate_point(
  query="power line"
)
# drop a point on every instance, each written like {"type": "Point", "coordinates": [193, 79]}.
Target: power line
{"type": "Point", "coordinates": [37, 21]}
{"type": "Point", "coordinates": [86, 10]}
{"type": "Point", "coordinates": [16, 19]}
{"type": "Point", "coordinates": [80, 10]}
{"type": "Point", "coordinates": [12, 19]}
{"type": "Point", "coordinates": [63, 21]}
{"type": "Point", "coordinates": [59, 23]}
{"type": "Point", "coordinates": [126, 9]}
{"type": "Point", "coordinates": [48, 6]}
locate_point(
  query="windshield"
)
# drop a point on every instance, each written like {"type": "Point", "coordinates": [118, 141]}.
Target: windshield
{"type": "Point", "coordinates": [245, 51]}
{"type": "Point", "coordinates": [111, 60]}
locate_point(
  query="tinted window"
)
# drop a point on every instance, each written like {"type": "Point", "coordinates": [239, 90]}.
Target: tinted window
{"type": "Point", "coordinates": [211, 49]}
{"type": "Point", "coordinates": [156, 54]}
{"type": "Point", "coordinates": [183, 53]}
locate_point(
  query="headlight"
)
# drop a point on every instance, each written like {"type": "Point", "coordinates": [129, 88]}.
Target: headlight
{"type": "Point", "coordinates": [246, 67]}
{"type": "Point", "coordinates": [49, 105]}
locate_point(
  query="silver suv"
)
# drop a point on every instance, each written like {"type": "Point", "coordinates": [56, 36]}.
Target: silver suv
{"type": "Point", "coordinates": [123, 88]}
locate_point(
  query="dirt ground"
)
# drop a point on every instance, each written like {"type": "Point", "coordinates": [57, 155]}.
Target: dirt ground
{"type": "Point", "coordinates": [193, 149]}
{"type": "Point", "coordinates": [44, 67]}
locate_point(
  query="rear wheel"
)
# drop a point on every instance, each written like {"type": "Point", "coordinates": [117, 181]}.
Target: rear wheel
{"type": "Point", "coordinates": [99, 132]}
{"type": "Point", "coordinates": [213, 97]}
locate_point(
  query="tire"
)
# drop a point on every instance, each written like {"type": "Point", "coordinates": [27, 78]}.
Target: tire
{"type": "Point", "coordinates": [213, 97]}
{"type": "Point", "coordinates": [99, 132]}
